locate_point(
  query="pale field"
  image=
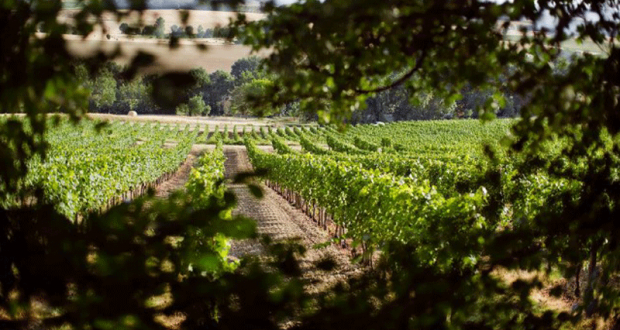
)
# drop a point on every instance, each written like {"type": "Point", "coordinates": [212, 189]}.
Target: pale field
{"type": "Point", "coordinates": [572, 45]}
{"type": "Point", "coordinates": [219, 55]}
{"type": "Point", "coordinates": [202, 122]}
{"type": "Point", "coordinates": [187, 56]}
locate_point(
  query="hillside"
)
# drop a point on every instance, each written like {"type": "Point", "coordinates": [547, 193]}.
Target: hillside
{"type": "Point", "coordinates": [219, 55]}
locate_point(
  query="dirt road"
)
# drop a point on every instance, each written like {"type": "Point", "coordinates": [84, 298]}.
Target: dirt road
{"type": "Point", "coordinates": [178, 180]}
{"type": "Point", "coordinates": [274, 217]}
{"type": "Point", "coordinates": [281, 221]}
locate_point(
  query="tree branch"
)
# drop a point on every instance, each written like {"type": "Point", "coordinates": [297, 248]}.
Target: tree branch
{"type": "Point", "coordinates": [399, 81]}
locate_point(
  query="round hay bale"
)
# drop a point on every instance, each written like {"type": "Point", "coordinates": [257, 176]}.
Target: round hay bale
{"type": "Point", "coordinates": [132, 114]}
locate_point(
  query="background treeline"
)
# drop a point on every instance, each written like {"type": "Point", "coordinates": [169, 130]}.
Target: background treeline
{"type": "Point", "coordinates": [160, 30]}
{"type": "Point", "coordinates": [247, 7]}
{"type": "Point", "coordinates": [217, 93]}
{"type": "Point", "coordinates": [222, 93]}
{"type": "Point", "coordinates": [395, 104]}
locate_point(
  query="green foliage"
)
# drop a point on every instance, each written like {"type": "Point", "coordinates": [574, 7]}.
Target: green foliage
{"type": "Point", "coordinates": [182, 109]}
{"type": "Point", "coordinates": [160, 28]}
{"type": "Point", "coordinates": [202, 77]}
{"type": "Point", "coordinates": [546, 203]}
{"type": "Point", "coordinates": [219, 90]}
{"type": "Point", "coordinates": [311, 147]}
{"type": "Point", "coordinates": [216, 92]}
{"type": "Point", "coordinates": [104, 89]}
{"type": "Point", "coordinates": [376, 207]}
{"type": "Point", "coordinates": [280, 146]}
{"type": "Point", "coordinates": [196, 106]}
{"type": "Point", "coordinates": [109, 270]}
{"type": "Point", "coordinates": [148, 248]}
{"type": "Point", "coordinates": [364, 145]}
{"type": "Point", "coordinates": [386, 142]}
{"type": "Point", "coordinates": [341, 146]}
{"type": "Point", "coordinates": [135, 95]}
{"type": "Point", "coordinates": [206, 190]}
{"type": "Point", "coordinates": [124, 27]}
{"type": "Point", "coordinates": [246, 69]}
{"type": "Point", "coordinates": [86, 170]}
{"type": "Point", "coordinates": [243, 94]}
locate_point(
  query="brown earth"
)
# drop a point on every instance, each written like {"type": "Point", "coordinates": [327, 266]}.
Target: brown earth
{"type": "Point", "coordinates": [185, 57]}
{"type": "Point", "coordinates": [281, 221]}
{"type": "Point", "coordinates": [220, 55]}
{"type": "Point", "coordinates": [201, 121]}
{"type": "Point", "coordinates": [274, 217]}
{"type": "Point", "coordinates": [178, 180]}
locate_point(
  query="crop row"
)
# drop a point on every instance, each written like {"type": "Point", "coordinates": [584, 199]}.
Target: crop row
{"type": "Point", "coordinates": [89, 170]}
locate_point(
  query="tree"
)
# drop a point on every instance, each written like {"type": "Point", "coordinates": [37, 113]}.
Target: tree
{"type": "Point", "coordinates": [148, 30]}
{"type": "Point", "coordinates": [104, 90]}
{"type": "Point", "coordinates": [242, 95]}
{"type": "Point", "coordinates": [196, 106]}
{"type": "Point", "coordinates": [124, 27]}
{"type": "Point", "coordinates": [201, 76]}
{"type": "Point", "coordinates": [247, 64]}
{"type": "Point", "coordinates": [348, 52]}
{"type": "Point", "coordinates": [200, 32]}
{"type": "Point", "coordinates": [135, 95]}
{"type": "Point", "coordinates": [189, 31]}
{"type": "Point", "coordinates": [208, 33]}
{"type": "Point", "coordinates": [176, 31]}
{"type": "Point", "coordinates": [160, 27]}
{"type": "Point", "coordinates": [336, 53]}
{"type": "Point", "coordinates": [217, 90]}
{"type": "Point", "coordinates": [75, 270]}
{"type": "Point", "coordinates": [183, 110]}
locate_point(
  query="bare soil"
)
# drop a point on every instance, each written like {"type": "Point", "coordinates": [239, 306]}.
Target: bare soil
{"type": "Point", "coordinates": [282, 222]}
{"type": "Point", "coordinates": [107, 38]}
{"type": "Point", "coordinates": [185, 57]}
{"type": "Point", "coordinates": [178, 180]}
{"type": "Point", "coordinates": [274, 217]}
{"type": "Point", "coordinates": [202, 122]}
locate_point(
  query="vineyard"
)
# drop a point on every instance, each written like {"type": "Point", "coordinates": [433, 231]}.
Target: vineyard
{"type": "Point", "coordinates": [370, 165]}
{"type": "Point", "coordinates": [443, 187]}
{"type": "Point", "coordinates": [372, 183]}
{"type": "Point", "coordinates": [424, 183]}
{"type": "Point", "coordinates": [88, 170]}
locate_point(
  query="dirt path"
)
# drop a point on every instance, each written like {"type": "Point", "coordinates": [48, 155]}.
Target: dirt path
{"type": "Point", "coordinates": [177, 181]}
{"type": "Point", "coordinates": [281, 221]}
{"type": "Point", "coordinates": [274, 216]}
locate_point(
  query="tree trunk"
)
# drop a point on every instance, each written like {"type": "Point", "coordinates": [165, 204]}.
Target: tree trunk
{"type": "Point", "coordinates": [589, 292]}
{"type": "Point", "coordinates": [577, 279]}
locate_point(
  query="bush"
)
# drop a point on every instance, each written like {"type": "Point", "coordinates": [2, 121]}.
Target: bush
{"type": "Point", "coordinates": [196, 106]}
{"type": "Point", "coordinates": [182, 110]}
